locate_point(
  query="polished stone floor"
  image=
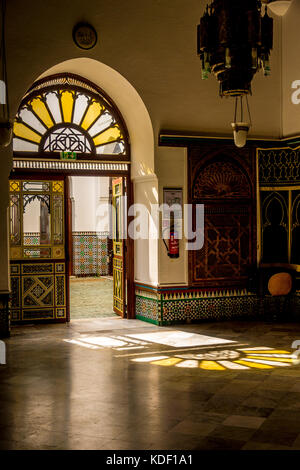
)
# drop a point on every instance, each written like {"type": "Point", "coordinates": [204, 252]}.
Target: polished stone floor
{"type": "Point", "coordinates": [119, 384]}
{"type": "Point", "coordinates": [91, 297]}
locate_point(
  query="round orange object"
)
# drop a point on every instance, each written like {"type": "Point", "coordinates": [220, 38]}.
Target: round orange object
{"type": "Point", "coordinates": [280, 284]}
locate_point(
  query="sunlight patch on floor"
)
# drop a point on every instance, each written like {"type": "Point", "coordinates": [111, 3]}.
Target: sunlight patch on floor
{"type": "Point", "coordinates": [201, 351]}
{"type": "Point", "coordinates": [179, 339]}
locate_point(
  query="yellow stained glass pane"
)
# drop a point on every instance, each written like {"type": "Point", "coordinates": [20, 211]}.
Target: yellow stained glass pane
{"type": "Point", "coordinates": [14, 186]}
{"type": "Point", "coordinates": [67, 103]}
{"type": "Point", "coordinates": [94, 112]}
{"type": "Point", "coordinates": [110, 135]}
{"type": "Point", "coordinates": [58, 186]}
{"type": "Point", "coordinates": [24, 132]}
{"type": "Point", "coordinates": [42, 112]}
{"type": "Point", "coordinates": [211, 365]}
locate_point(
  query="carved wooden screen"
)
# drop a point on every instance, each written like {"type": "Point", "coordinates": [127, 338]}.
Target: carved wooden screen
{"type": "Point", "coordinates": [37, 250]}
{"type": "Point", "coordinates": [224, 184]}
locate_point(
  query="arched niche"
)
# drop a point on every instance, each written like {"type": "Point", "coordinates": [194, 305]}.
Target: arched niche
{"type": "Point", "coordinates": [275, 227]}
{"type": "Point", "coordinates": [221, 179]}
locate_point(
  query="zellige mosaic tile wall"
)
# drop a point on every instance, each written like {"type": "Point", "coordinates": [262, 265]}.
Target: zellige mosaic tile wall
{"type": "Point", "coordinates": [90, 253]}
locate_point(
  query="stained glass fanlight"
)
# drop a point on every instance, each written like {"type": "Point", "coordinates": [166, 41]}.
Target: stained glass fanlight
{"type": "Point", "coordinates": [67, 114]}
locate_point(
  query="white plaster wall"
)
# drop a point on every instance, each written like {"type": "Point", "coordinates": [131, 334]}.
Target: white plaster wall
{"type": "Point", "coordinates": [172, 168]}
{"type": "Point", "coordinates": [31, 217]}
{"type": "Point", "coordinates": [90, 207]}
{"type": "Point", "coordinates": [146, 250]}
{"type": "Point", "coordinates": [152, 44]}
{"type": "Point", "coordinates": [102, 204]}
{"type": "Point", "coordinates": [84, 208]}
{"type": "Point", "coordinates": [290, 69]}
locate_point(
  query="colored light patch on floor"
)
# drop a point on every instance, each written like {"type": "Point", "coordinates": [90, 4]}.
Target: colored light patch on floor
{"type": "Point", "coordinates": [212, 355]}
{"type": "Point", "coordinates": [179, 339]}
{"type": "Point", "coordinates": [211, 365]}
{"type": "Point", "coordinates": [112, 342]}
{"type": "Point", "coordinates": [213, 360]}
{"type": "Point", "coordinates": [81, 343]}
{"type": "Point", "coordinates": [149, 359]}
{"type": "Point", "coordinates": [254, 365]}
{"type": "Point", "coordinates": [233, 365]}
{"type": "Point", "coordinates": [273, 358]}
{"type": "Point", "coordinates": [266, 361]}
{"type": "Point", "coordinates": [276, 354]}
{"type": "Point", "coordinates": [171, 361]}
{"type": "Point", "coordinates": [219, 360]}
{"type": "Point", "coordinates": [188, 364]}
{"type": "Point", "coordinates": [264, 351]}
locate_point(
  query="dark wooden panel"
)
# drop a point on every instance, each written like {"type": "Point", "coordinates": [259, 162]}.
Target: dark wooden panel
{"type": "Point", "coordinates": [223, 179]}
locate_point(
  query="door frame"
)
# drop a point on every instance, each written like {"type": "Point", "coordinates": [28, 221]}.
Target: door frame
{"type": "Point", "coordinates": [129, 243]}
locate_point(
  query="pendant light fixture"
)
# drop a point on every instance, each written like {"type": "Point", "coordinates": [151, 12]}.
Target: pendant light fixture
{"type": "Point", "coordinates": [5, 123]}
{"type": "Point", "coordinates": [234, 42]}
{"type": "Point", "coordinates": [241, 124]}
{"type": "Point", "coordinates": [278, 7]}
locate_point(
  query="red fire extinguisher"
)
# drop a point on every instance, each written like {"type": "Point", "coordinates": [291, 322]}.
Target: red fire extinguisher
{"type": "Point", "coordinates": [173, 248]}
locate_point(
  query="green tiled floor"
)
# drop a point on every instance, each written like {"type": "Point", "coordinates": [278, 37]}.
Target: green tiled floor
{"type": "Point", "coordinates": [91, 297]}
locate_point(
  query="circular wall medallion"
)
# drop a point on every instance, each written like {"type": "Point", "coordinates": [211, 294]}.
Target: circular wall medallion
{"type": "Point", "coordinates": [84, 36]}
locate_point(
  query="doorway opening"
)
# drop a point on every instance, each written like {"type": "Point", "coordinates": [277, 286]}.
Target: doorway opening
{"type": "Point", "coordinates": [67, 127]}
{"type": "Point", "coordinates": [91, 273]}
{"type": "Point", "coordinates": [97, 275]}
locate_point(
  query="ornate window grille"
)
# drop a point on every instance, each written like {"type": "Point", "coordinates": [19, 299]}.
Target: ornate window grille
{"type": "Point", "coordinates": [64, 113]}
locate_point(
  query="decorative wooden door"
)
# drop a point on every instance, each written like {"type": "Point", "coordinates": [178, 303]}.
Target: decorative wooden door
{"type": "Point", "coordinates": [224, 181]}
{"type": "Point", "coordinates": [119, 294]}
{"type": "Point", "coordinates": [37, 250]}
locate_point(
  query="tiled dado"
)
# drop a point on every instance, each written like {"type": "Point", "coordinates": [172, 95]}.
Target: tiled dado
{"type": "Point", "coordinates": [90, 252]}
{"type": "Point", "coordinates": [164, 307]}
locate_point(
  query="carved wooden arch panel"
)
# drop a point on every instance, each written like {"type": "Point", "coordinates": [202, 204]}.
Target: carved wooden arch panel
{"type": "Point", "coordinates": [224, 182]}
{"type": "Point", "coordinates": [221, 179]}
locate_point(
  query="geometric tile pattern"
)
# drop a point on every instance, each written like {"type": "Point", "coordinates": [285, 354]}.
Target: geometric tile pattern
{"type": "Point", "coordinates": [31, 238]}
{"type": "Point", "coordinates": [60, 313]}
{"type": "Point", "coordinates": [181, 306]}
{"type": "Point", "coordinates": [147, 309]}
{"type": "Point", "coordinates": [210, 309]}
{"type": "Point", "coordinates": [118, 285]}
{"type": "Point", "coordinates": [90, 253]}
{"type": "Point", "coordinates": [37, 290]}
{"type": "Point", "coordinates": [60, 290]}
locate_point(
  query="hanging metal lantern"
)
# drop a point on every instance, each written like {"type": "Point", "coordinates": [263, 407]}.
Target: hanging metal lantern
{"type": "Point", "coordinates": [234, 42]}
